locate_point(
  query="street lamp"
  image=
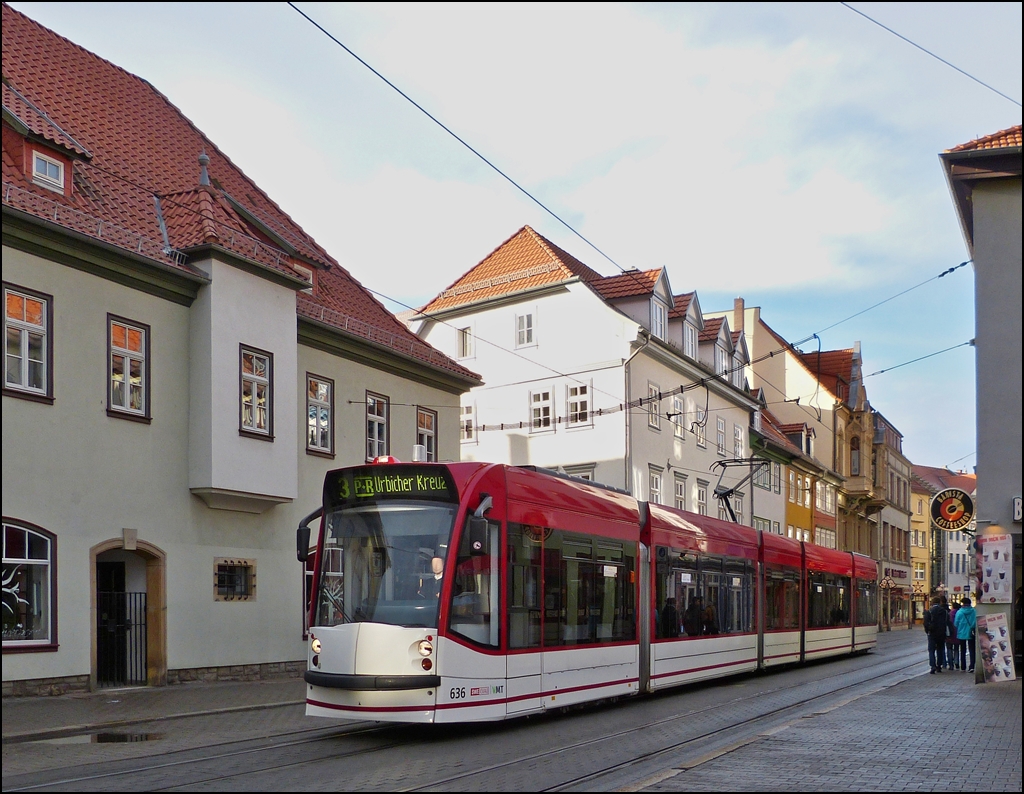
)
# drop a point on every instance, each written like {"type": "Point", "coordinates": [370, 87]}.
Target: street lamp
{"type": "Point", "coordinates": [887, 584]}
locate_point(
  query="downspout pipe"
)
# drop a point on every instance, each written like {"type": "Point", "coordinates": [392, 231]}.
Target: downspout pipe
{"type": "Point", "coordinates": [646, 336]}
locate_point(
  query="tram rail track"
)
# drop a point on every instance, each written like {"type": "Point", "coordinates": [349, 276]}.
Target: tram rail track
{"type": "Point", "coordinates": [218, 764]}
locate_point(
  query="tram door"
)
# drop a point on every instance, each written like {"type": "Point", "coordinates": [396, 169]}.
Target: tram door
{"type": "Point", "coordinates": [525, 616]}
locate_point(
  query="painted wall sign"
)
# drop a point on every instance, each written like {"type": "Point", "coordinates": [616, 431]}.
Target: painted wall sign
{"type": "Point", "coordinates": [952, 509]}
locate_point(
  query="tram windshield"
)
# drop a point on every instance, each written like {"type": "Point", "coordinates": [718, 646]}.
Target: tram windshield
{"type": "Point", "coordinates": [382, 563]}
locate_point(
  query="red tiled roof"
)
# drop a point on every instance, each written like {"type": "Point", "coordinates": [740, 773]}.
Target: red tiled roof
{"type": "Point", "coordinates": [38, 122]}
{"type": "Point", "coordinates": [135, 147]}
{"type": "Point", "coordinates": [1004, 139]}
{"type": "Point", "coordinates": [771, 429]}
{"type": "Point", "coordinates": [711, 329]}
{"type": "Point", "coordinates": [629, 284]}
{"type": "Point", "coordinates": [524, 261]}
{"type": "Point", "coordinates": [937, 479]}
{"type": "Point", "coordinates": [833, 366]}
{"type": "Point", "coordinates": [681, 305]}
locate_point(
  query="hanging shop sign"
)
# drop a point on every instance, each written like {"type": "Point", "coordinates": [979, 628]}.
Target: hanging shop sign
{"type": "Point", "coordinates": [952, 509]}
{"type": "Point", "coordinates": [995, 558]}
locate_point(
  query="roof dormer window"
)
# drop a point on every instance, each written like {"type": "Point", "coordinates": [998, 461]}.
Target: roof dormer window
{"type": "Point", "coordinates": [690, 340]}
{"type": "Point", "coordinates": [47, 172]}
{"type": "Point", "coordinates": [721, 360]}
{"type": "Point", "coordinates": [659, 318]}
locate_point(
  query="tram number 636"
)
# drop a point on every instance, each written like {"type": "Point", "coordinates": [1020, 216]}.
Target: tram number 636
{"type": "Point", "coordinates": [457, 693]}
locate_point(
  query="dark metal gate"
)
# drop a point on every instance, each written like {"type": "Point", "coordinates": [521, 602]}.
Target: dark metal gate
{"type": "Point", "coordinates": [120, 639]}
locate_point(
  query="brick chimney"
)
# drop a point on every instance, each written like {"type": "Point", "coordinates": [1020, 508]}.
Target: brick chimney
{"type": "Point", "coordinates": [737, 314]}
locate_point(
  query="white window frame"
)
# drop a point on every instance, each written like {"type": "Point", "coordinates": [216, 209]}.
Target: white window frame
{"type": "Point", "coordinates": [690, 340]}
{"type": "Point", "coordinates": [721, 360]}
{"type": "Point", "coordinates": [762, 474]}
{"type": "Point", "coordinates": [319, 414]}
{"type": "Point", "coordinates": [792, 486]}
{"type": "Point", "coordinates": [526, 328]}
{"type": "Point", "coordinates": [378, 416]}
{"type": "Point", "coordinates": [659, 318]}
{"type": "Point", "coordinates": [306, 273]}
{"type": "Point", "coordinates": [702, 497]}
{"type": "Point", "coordinates": [737, 506]}
{"type": "Point", "coordinates": [26, 329]}
{"type": "Point", "coordinates": [720, 434]}
{"type": "Point", "coordinates": [465, 346]}
{"type": "Point", "coordinates": [700, 429]}
{"type": "Point", "coordinates": [132, 381]}
{"type": "Point", "coordinates": [679, 418]}
{"type": "Point", "coordinates": [737, 372]}
{"type": "Point", "coordinates": [680, 491]}
{"type": "Point", "coordinates": [257, 382]}
{"type": "Point", "coordinates": [777, 477]}
{"type": "Point", "coordinates": [737, 441]}
{"type": "Point", "coordinates": [578, 408]}
{"type": "Point", "coordinates": [655, 481]}
{"type": "Point", "coordinates": [583, 471]}
{"type": "Point", "coordinates": [542, 411]}
{"type": "Point", "coordinates": [426, 431]}
{"type": "Point", "coordinates": [43, 179]}
{"type": "Point", "coordinates": [653, 406]}
{"type": "Point", "coordinates": [467, 424]}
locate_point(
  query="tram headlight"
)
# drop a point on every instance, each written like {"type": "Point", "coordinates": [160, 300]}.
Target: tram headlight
{"type": "Point", "coordinates": [315, 645]}
{"type": "Point", "coordinates": [425, 648]}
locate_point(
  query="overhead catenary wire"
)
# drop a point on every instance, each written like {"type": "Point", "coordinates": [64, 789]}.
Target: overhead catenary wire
{"type": "Point", "coordinates": [632, 273]}
{"type": "Point", "coordinates": [932, 54]}
{"type": "Point", "coordinates": [639, 402]}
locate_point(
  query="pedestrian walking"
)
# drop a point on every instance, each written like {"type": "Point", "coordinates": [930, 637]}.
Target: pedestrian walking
{"type": "Point", "coordinates": [966, 625]}
{"type": "Point", "coordinates": [936, 620]}
{"type": "Point", "coordinates": [952, 646]}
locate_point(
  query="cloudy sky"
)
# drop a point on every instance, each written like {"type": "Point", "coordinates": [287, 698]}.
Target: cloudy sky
{"type": "Point", "coordinates": [783, 153]}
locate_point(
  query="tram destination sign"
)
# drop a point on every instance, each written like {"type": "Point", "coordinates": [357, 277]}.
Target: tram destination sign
{"type": "Point", "coordinates": [952, 509]}
{"type": "Point", "coordinates": [393, 481]}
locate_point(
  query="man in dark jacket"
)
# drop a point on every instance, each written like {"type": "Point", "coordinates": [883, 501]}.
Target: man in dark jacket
{"type": "Point", "coordinates": [935, 622]}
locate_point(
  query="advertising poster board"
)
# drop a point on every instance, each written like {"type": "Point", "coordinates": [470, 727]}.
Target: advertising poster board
{"type": "Point", "coordinates": [995, 648]}
{"type": "Point", "coordinates": [995, 572]}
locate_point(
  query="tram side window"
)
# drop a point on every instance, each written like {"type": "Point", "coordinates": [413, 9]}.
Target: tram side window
{"type": "Point", "coordinates": [677, 612]}
{"type": "Point", "coordinates": [738, 596]}
{"type": "Point", "coordinates": [711, 577]}
{"type": "Point", "coordinates": [867, 602]}
{"type": "Point", "coordinates": [474, 608]}
{"type": "Point", "coordinates": [588, 589]}
{"type": "Point", "coordinates": [524, 563]}
{"type": "Point", "coordinates": [828, 600]}
{"type": "Point", "coordinates": [782, 598]}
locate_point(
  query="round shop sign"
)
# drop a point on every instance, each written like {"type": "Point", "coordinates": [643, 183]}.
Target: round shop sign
{"type": "Point", "coordinates": [952, 509]}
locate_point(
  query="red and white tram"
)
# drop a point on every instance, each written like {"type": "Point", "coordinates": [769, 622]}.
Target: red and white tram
{"type": "Point", "coordinates": [470, 591]}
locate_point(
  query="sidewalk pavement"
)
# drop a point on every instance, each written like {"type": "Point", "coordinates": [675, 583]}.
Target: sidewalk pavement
{"type": "Point", "coordinates": [33, 718]}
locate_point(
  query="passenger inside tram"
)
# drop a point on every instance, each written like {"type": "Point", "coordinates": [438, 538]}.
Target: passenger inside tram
{"type": "Point", "coordinates": [694, 616]}
{"type": "Point", "coordinates": [710, 621]}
